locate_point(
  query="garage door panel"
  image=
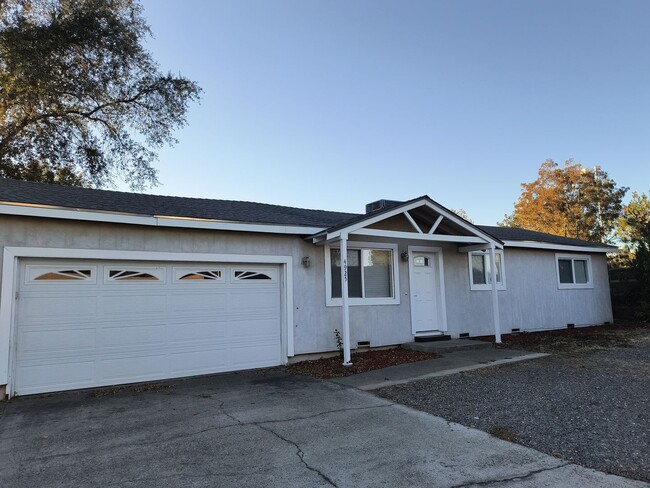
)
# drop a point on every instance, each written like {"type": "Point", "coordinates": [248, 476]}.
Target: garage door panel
{"type": "Point", "coordinates": [198, 303]}
{"type": "Point", "coordinates": [253, 328]}
{"type": "Point", "coordinates": [253, 299]}
{"type": "Point", "coordinates": [196, 362]}
{"type": "Point", "coordinates": [103, 332]}
{"type": "Point", "coordinates": [39, 306]}
{"type": "Point", "coordinates": [198, 331]}
{"type": "Point", "coordinates": [131, 334]}
{"type": "Point", "coordinates": [132, 367]}
{"type": "Point", "coordinates": [135, 304]}
{"type": "Point", "coordinates": [51, 376]}
{"type": "Point", "coordinates": [63, 340]}
{"type": "Point", "coordinates": [254, 355]}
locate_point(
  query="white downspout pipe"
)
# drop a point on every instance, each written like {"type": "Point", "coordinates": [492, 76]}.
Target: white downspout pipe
{"type": "Point", "coordinates": [495, 296]}
{"type": "Point", "coordinates": [345, 307]}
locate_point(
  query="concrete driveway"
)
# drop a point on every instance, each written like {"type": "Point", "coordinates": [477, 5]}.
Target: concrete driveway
{"type": "Point", "coordinates": [258, 430]}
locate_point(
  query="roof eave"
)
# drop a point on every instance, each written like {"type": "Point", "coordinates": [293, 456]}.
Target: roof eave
{"type": "Point", "coordinates": [67, 213]}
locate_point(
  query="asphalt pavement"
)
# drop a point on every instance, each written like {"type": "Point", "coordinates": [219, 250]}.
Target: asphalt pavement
{"type": "Point", "coordinates": [259, 429]}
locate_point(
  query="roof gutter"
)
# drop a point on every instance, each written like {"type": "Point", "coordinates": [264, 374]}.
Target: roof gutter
{"type": "Point", "coordinates": [559, 247]}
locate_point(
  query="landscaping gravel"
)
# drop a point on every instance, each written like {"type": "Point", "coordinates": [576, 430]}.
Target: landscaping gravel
{"type": "Point", "coordinates": [588, 407]}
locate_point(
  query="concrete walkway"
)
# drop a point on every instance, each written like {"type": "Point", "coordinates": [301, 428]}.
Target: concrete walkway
{"type": "Point", "coordinates": [259, 430]}
{"type": "Point", "coordinates": [450, 363]}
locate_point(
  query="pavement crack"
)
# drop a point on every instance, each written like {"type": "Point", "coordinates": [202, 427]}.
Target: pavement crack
{"type": "Point", "coordinates": [319, 414]}
{"type": "Point", "coordinates": [300, 454]}
{"type": "Point", "coordinates": [513, 478]}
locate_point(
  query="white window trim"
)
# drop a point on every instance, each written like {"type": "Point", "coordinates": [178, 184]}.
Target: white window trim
{"type": "Point", "coordinates": [356, 245]}
{"type": "Point", "coordinates": [486, 286]}
{"type": "Point", "coordinates": [574, 257]}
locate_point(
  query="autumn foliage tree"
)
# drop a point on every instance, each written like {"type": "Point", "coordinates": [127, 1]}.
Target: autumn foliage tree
{"type": "Point", "coordinates": [569, 200]}
{"type": "Point", "coordinates": [81, 100]}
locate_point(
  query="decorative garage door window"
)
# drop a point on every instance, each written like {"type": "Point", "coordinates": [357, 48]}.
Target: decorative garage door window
{"type": "Point", "coordinates": [198, 275]}
{"type": "Point", "coordinates": [58, 274]}
{"type": "Point", "coordinates": [254, 275]}
{"type": "Point", "coordinates": [135, 274]}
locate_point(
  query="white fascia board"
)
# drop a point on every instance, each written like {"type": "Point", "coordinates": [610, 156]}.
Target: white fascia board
{"type": "Point", "coordinates": [154, 220]}
{"type": "Point", "coordinates": [558, 247]}
{"type": "Point", "coordinates": [413, 236]}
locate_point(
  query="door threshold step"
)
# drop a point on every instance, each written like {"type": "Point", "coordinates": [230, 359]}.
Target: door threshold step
{"type": "Point", "coordinates": [432, 338]}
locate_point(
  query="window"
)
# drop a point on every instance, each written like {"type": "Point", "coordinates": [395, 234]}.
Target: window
{"type": "Point", "coordinates": [573, 271]}
{"type": "Point", "coordinates": [134, 275]}
{"type": "Point", "coordinates": [58, 274]}
{"type": "Point", "coordinates": [254, 276]}
{"type": "Point", "coordinates": [480, 276]}
{"type": "Point", "coordinates": [199, 275]}
{"type": "Point", "coordinates": [371, 274]}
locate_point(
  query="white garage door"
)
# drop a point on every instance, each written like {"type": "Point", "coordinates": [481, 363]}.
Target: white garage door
{"type": "Point", "coordinates": [85, 324]}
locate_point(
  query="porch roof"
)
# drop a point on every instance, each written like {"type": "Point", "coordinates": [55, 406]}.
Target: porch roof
{"type": "Point", "coordinates": [422, 218]}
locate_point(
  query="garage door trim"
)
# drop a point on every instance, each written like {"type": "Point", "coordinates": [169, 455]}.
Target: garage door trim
{"type": "Point", "coordinates": [11, 256]}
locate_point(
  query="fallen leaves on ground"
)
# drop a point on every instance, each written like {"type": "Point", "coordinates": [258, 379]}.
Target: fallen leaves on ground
{"type": "Point", "coordinates": [362, 362]}
{"type": "Point", "coordinates": [580, 339]}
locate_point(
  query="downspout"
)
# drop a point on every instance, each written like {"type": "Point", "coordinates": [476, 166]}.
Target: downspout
{"type": "Point", "coordinates": [495, 296]}
{"type": "Point", "coordinates": [345, 309]}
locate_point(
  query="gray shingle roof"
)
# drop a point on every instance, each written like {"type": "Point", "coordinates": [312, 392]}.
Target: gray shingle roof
{"type": "Point", "coordinates": [517, 234]}
{"type": "Point", "coordinates": [142, 204]}
{"type": "Point", "coordinates": [15, 191]}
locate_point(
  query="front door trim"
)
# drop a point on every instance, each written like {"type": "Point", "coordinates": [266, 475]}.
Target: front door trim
{"type": "Point", "coordinates": [437, 251]}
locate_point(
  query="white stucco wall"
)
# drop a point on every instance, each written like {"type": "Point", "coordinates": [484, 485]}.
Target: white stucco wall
{"type": "Point", "coordinates": [532, 299]}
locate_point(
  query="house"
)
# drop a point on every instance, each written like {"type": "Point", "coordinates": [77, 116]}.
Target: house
{"type": "Point", "coordinates": [103, 287]}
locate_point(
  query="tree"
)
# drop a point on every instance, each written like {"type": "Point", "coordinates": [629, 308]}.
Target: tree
{"type": "Point", "coordinates": [634, 224]}
{"type": "Point", "coordinates": [634, 230]}
{"type": "Point", "coordinates": [462, 214]}
{"type": "Point", "coordinates": [79, 95]}
{"type": "Point", "coordinates": [572, 201]}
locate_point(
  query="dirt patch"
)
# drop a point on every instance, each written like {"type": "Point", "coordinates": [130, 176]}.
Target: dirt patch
{"type": "Point", "coordinates": [582, 339]}
{"type": "Point", "coordinates": [362, 362]}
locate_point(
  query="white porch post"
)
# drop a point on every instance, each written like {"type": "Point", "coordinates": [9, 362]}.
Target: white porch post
{"type": "Point", "coordinates": [495, 296]}
{"type": "Point", "coordinates": [345, 310]}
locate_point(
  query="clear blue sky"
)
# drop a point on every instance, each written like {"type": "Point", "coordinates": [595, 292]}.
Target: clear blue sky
{"type": "Point", "coordinates": [332, 104]}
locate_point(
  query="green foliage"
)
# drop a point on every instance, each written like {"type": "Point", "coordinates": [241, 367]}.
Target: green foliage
{"type": "Point", "coordinates": [339, 341]}
{"type": "Point", "coordinates": [571, 201]}
{"type": "Point", "coordinates": [80, 94]}
{"type": "Point", "coordinates": [462, 214]}
{"type": "Point", "coordinates": [634, 230]}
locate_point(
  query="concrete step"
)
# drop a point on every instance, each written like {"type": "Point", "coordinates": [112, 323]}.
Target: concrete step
{"type": "Point", "coordinates": [433, 338]}
{"type": "Point", "coordinates": [452, 345]}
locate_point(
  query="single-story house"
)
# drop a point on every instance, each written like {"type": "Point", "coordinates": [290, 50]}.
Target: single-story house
{"type": "Point", "coordinates": [104, 287]}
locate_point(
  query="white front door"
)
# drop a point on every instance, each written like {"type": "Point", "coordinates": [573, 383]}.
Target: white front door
{"type": "Point", "coordinates": [427, 292]}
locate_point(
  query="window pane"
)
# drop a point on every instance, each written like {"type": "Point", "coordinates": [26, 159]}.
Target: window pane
{"type": "Point", "coordinates": [478, 269]}
{"type": "Point", "coordinates": [354, 273]}
{"type": "Point", "coordinates": [566, 270]}
{"type": "Point", "coordinates": [497, 260]}
{"type": "Point", "coordinates": [377, 273]}
{"type": "Point", "coordinates": [580, 267]}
